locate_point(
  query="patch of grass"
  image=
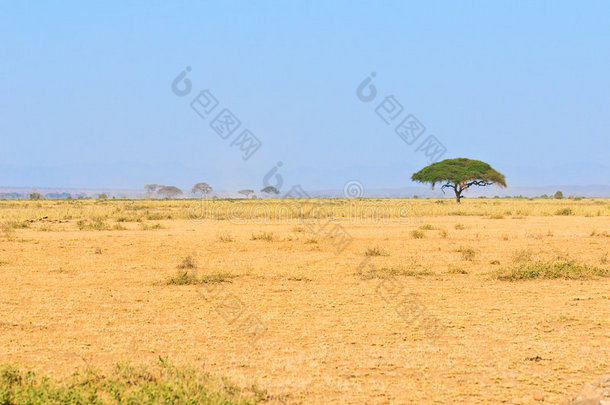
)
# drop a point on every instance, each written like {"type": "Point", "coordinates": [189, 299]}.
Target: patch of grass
{"type": "Point", "coordinates": [444, 233]}
{"type": "Point", "coordinates": [427, 227]}
{"type": "Point", "coordinates": [456, 270]}
{"type": "Point", "coordinates": [459, 227]}
{"type": "Point", "coordinates": [467, 253]}
{"type": "Point", "coordinates": [98, 251]}
{"type": "Point", "coordinates": [147, 227]}
{"type": "Point", "coordinates": [311, 241]}
{"type": "Point", "coordinates": [569, 270]}
{"type": "Point", "coordinates": [128, 384]}
{"type": "Point", "coordinates": [189, 277]}
{"type": "Point", "coordinates": [376, 251]}
{"type": "Point", "coordinates": [496, 216]}
{"type": "Point", "coordinates": [298, 229]}
{"type": "Point", "coordinates": [266, 236]}
{"type": "Point", "coordinates": [385, 272]}
{"type": "Point", "coordinates": [225, 237]}
{"type": "Point", "coordinates": [97, 224]}
{"type": "Point", "coordinates": [564, 211]}
{"type": "Point", "coordinates": [522, 256]}
{"type": "Point", "coordinates": [417, 234]}
{"type": "Point", "coordinates": [188, 262]}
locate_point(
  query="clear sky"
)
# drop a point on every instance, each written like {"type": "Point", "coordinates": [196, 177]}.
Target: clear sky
{"type": "Point", "coordinates": [86, 94]}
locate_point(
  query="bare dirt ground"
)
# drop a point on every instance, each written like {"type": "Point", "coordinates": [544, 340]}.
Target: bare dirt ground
{"type": "Point", "coordinates": [70, 298]}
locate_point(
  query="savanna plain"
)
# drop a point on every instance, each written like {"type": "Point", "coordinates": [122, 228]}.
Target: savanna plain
{"type": "Point", "coordinates": [303, 301]}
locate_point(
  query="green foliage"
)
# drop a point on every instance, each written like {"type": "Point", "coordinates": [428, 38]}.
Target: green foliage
{"type": "Point", "coordinates": [126, 384]}
{"type": "Point", "coordinates": [459, 171]}
{"type": "Point", "coordinates": [558, 195]}
{"type": "Point", "coordinates": [551, 270]}
{"type": "Point", "coordinates": [203, 188]}
{"type": "Point", "coordinates": [375, 251]}
{"type": "Point", "coordinates": [169, 191]}
{"type": "Point", "coordinates": [103, 196]}
{"type": "Point", "coordinates": [35, 196]}
{"type": "Point", "coordinates": [270, 190]}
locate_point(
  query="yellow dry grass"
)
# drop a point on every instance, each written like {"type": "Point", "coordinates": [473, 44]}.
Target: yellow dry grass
{"type": "Point", "coordinates": [88, 285]}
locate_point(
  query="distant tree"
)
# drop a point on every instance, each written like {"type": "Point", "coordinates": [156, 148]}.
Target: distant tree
{"type": "Point", "coordinates": [169, 191]}
{"type": "Point", "coordinates": [459, 174]}
{"type": "Point", "coordinates": [544, 196]}
{"type": "Point", "coordinates": [102, 196]}
{"type": "Point", "coordinates": [558, 195]}
{"type": "Point", "coordinates": [203, 188]}
{"type": "Point", "coordinates": [151, 188]}
{"type": "Point", "coordinates": [270, 190]}
{"type": "Point", "coordinates": [246, 192]}
{"type": "Point", "coordinates": [35, 196]}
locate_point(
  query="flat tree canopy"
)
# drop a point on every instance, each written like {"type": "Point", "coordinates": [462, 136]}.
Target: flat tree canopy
{"type": "Point", "coordinates": [459, 174]}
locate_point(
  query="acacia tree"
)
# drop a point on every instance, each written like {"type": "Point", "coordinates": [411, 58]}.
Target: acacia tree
{"type": "Point", "coordinates": [269, 190]}
{"type": "Point", "coordinates": [246, 192]}
{"type": "Point", "coordinates": [150, 188]}
{"type": "Point", "coordinates": [169, 191]}
{"type": "Point", "coordinates": [203, 188]}
{"type": "Point", "coordinates": [459, 174]}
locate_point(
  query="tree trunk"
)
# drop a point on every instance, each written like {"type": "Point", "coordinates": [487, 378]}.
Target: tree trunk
{"type": "Point", "coordinates": [458, 194]}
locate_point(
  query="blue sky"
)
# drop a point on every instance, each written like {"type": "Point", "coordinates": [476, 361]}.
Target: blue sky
{"type": "Point", "coordinates": [86, 99]}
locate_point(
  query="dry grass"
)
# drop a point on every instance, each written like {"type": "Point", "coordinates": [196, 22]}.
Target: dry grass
{"type": "Point", "coordinates": [98, 296]}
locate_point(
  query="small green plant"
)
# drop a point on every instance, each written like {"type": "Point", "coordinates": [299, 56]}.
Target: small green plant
{"type": "Point", "coordinates": [467, 253]}
{"type": "Point", "coordinates": [375, 251]}
{"type": "Point", "coordinates": [266, 236]}
{"type": "Point", "coordinates": [551, 270]}
{"type": "Point", "coordinates": [417, 234]}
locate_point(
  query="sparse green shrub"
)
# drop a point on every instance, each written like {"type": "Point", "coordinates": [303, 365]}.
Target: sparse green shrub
{"type": "Point", "coordinates": [266, 236]}
{"type": "Point", "coordinates": [375, 251]}
{"type": "Point", "coordinates": [393, 271]}
{"type": "Point", "coordinates": [564, 211]}
{"type": "Point", "coordinates": [551, 270]}
{"type": "Point", "coordinates": [188, 263]}
{"type": "Point", "coordinates": [225, 237]}
{"type": "Point", "coordinates": [467, 253]}
{"type": "Point", "coordinates": [160, 383]}
{"type": "Point", "coordinates": [522, 256]}
{"type": "Point", "coordinates": [427, 227]}
{"type": "Point", "coordinates": [417, 234]}
{"type": "Point", "coordinates": [456, 270]}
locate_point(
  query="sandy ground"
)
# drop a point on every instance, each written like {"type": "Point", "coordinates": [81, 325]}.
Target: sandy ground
{"type": "Point", "coordinates": [71, 298]}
